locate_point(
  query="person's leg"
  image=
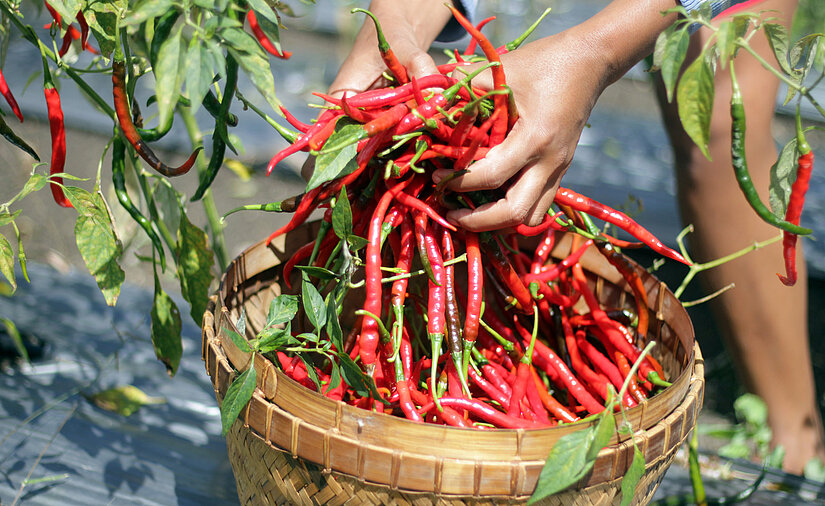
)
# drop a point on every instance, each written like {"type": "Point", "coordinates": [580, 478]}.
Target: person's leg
{"type": "Point", "coordinates": [763, 321]}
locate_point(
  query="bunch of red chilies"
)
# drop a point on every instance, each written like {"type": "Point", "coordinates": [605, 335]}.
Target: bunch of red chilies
{"type": "Point", "coordinates": [527, 343]}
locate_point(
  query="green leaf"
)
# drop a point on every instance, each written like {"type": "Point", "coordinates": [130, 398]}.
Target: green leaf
{"type": "Point", "coordinates": [312, 374]}
{"type": "Point", "coordinates": [102, 18]}
{"type": "Point", "coordinates": [124, 400]}
{"type": "Point", "coordinates": [336, 334]}
{"type": "Point", "coordinates": [673, 55]}
{"type": "Point", "coordinates": [262, 7]}
{"type": "Point", "coordinates": [752, 409]}
{"type": "Point", "coordinates": [605, 429]}
{"type": "Point", "coordinates": [803, 55]}
{"type": "Point", "coordinates": [237, 396]}
{"type": "Point", "coordinates": [67, 9]}
{"type": "Point", "coordinates": [783, 174]}
{"type": "Point", "coordinates": [282, 309]}
{"type": "Point", "coordinates": [357, 242]}
{"type": "Point", "coordinates": [35, 183]}
{"type": "Point", "coordinates": [355, 377]}
{"type": "Point", "coordinates": [169, 203]}
{"type": "Point", "coordinates": [338, 163]}
{"type": "Point", "coordinates": [165, 329]}
{"type": "Point", "coordinates": [14, 139]}
{"type": "Point", "coordinates": [7, 261]}
{"type": "Point", "coordinates": [145, 10]}
{"type": "Point", "coordinates": [342, 215]}
{"type": "Point", "coordinates": [252, 59]}
{"type": "Point", "coordinates": [97, 241]}
{"type": "Point", "coordinates": [566, 464]}
{"type": "Point", "coordinates": [726, 42]}
{"type": "Point", "coordinates": [271, 29]}
{"type": "Point", "coordinates": [6, 217]}
{"type": "Point", "coordinates": [317, 272]}
{"type": "Point", "coordinates": [240, 341]}
{"type": "Point", "coordinates": [314, 306]}
{"type": "Point", "coordinates": [194, 260]}
{"type": "Point", "coordinates": [199, 73]}
{"type": "Point", "coordinates": [273, 339]}
{"type": "Point", "coordinates": [334, 377]}
{"type": "Point", "coordinates": [632, 476]}
{"type": "Point", "coordinates": [241, 323]}
{"type": "Point", "coordinates": [16, 338]}
{"type": "Point", "coordinates": [168, 75]}
{"type": "Point", "coordinates": [695, 99]}
{"type": "Point", "coordinates": [777, 36]}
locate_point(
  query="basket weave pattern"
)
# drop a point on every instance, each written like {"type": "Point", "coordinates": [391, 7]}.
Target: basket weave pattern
{"type": "Point", "coordinates": [294, 446]}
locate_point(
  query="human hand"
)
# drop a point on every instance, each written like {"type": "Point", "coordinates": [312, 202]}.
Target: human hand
{"type": "Point", "coordinates": [555, 83]}
{"type": "Point", "coordinates": [410, 27]}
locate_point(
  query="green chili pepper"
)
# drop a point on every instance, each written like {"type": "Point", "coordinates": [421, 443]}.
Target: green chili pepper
{"type": "Point", "coordinates": [220, 134]}
{"type": "Point", "coordinates": [740, 163]}
{"type": "Point", "coordinates": [119, 182]}
{"type": "Point", "coordinates": [10, 136]}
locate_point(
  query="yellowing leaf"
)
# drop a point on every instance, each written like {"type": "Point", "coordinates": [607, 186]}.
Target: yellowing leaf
{"type": "Point", "coordinates": [123, 400]}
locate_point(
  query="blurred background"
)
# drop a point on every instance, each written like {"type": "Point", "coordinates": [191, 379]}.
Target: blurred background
{"type": "Point", "coordinates": [623, 159]}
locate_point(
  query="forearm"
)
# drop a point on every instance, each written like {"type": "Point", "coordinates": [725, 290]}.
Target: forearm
{"type": "Point", "coordinates": [624, 32]}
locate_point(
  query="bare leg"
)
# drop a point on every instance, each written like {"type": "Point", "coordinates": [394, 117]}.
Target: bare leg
{"type": "Point", "coordinates": [763, 321]}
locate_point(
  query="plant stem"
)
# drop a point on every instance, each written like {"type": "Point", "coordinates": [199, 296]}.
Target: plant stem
{"type": "Point", "coordinates": [29, 35]}
{"type": "Point", "coordinates": [697, 268]}
{"type": "Point", "coordinates": [802, 90]}
{"type": "Point", "coordinates": [212, 216]}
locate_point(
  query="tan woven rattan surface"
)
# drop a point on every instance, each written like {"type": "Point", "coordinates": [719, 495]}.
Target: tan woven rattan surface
{"type": "Point", "coordinates": [294, 446]}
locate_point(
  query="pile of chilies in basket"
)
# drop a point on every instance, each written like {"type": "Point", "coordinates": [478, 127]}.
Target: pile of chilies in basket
{"type": "Point", "coordinates": [516, 340]}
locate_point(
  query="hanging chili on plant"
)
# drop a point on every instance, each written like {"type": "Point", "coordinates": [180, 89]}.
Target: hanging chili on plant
{"type": "Point", "coordinates": [740, 162]}
{"type": "Point", "coordinates": [793, 213]}
{"type": "Point", "coordinates": [58, 133]}
{"type": "Point", "coordinates": [121, 102]}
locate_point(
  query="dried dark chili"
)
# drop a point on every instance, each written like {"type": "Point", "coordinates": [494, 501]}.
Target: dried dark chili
{"type": "Point", "coordinates": [121, 102]}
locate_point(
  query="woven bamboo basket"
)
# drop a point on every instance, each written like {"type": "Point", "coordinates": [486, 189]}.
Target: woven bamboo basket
{"type": "Point", "coordinates": [291, 445]}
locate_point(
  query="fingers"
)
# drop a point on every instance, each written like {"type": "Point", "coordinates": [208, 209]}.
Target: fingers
{"type": "Point", "coordinates": [501, 163]}
{"type": "Point", "coordinates": [526, 201]}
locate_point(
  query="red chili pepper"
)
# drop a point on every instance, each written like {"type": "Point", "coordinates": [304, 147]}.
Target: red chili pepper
{"type": "Point", "coordinates": [796, 202]}
{"type": "Point", "coordinates": [302, 142]}
{"type": "Point", "coordinates": [475, 292]}
{"type": "Point", "coordinates": [263, 40]}
{"type": "Point", "coordinates": [390, 60]}
{"type": "Point", "coordinates": [4, 89]}
{"type": "Point", "coordinates": [305, 207]}
{"type": "Point", "coordinates": [631, 275]}
{"type": "Point", "coordinates": [368, 340]}
{"type": "Point", "coordinates": [548, 223]}
{"type": "Point", "coordinates": [550, 402]}
{"type": "Point", "coordinates": [356, 113]}
{"type": "Point", "coordinates": [508, 276]}
{"type": "Point", "coordinates": [295, 122]}
{"type": "Point", "coordinates": [586, 205]}
{"type": "Point", "coordinates": [488, 388]}
{"type": "Point", "coordinates": [471, 46]}
{"type": "Point", "coordinates": [499, 129]}
{"type": "Point", "coordinates": [484, 412]}
{"type": "Point", "coordinates": [58, 132]}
